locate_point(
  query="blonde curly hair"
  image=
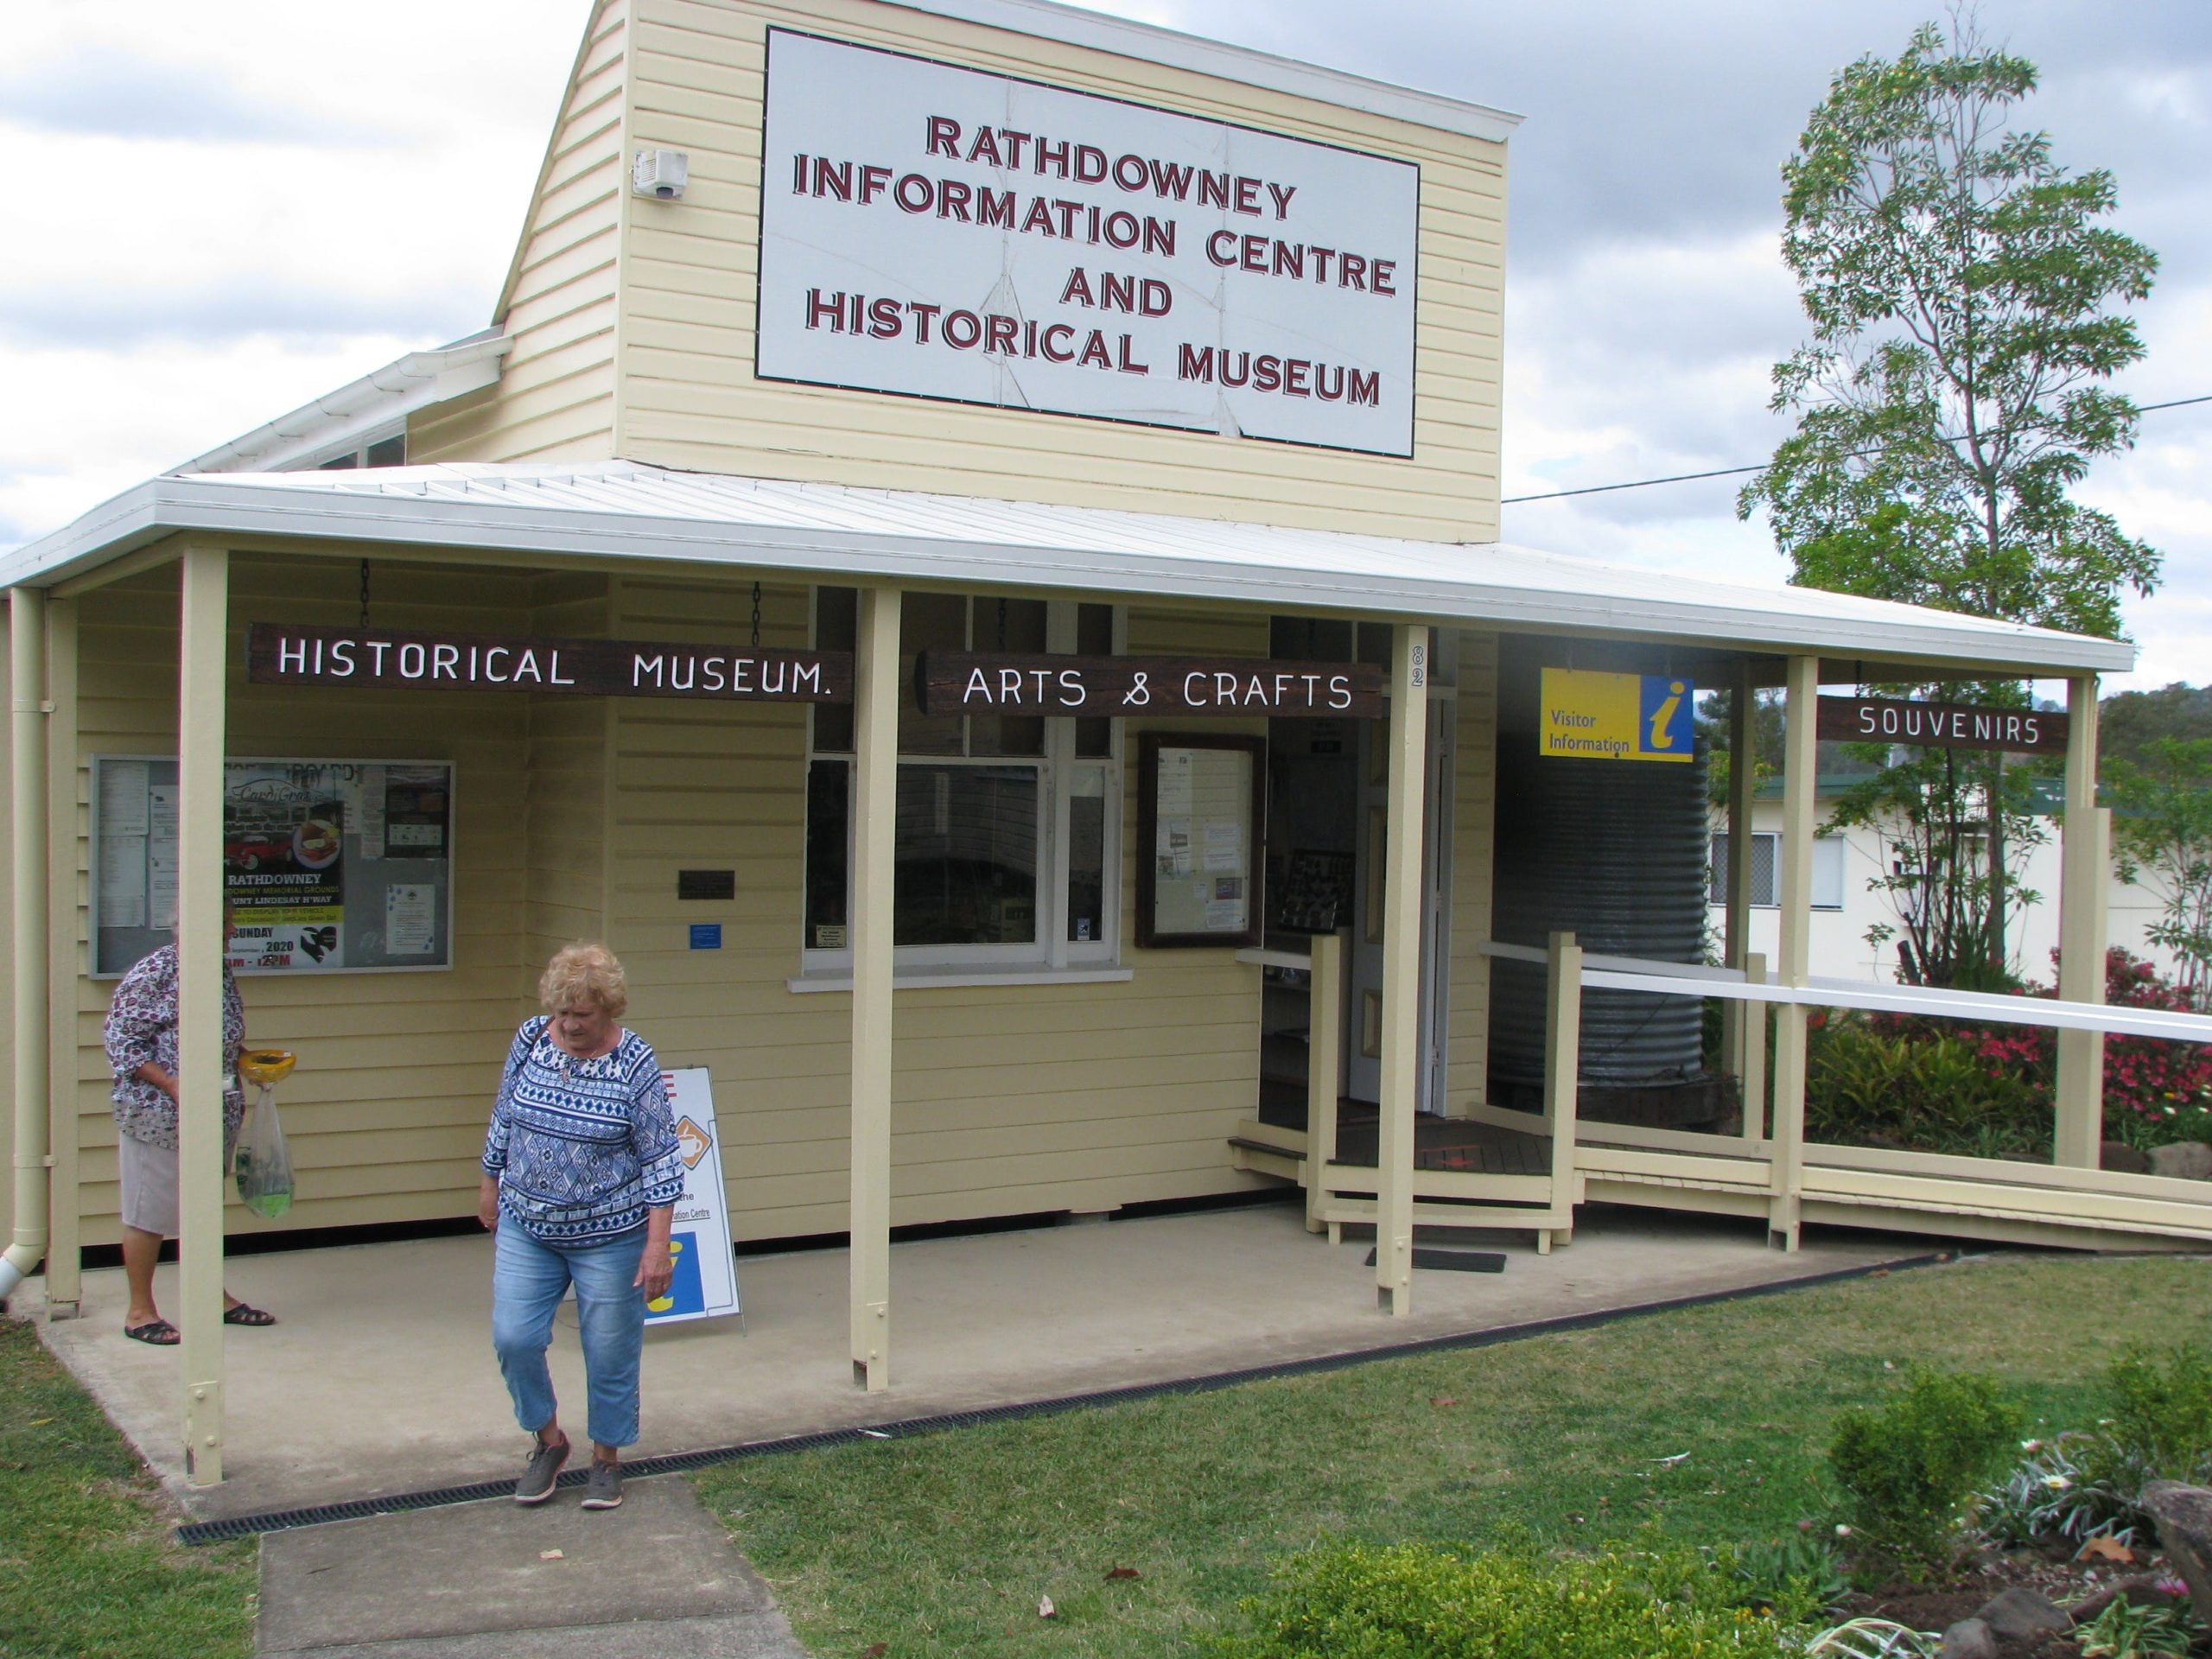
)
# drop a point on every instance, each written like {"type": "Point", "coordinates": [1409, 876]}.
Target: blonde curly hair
{"type": "Point", "coordinates": [584, 973]}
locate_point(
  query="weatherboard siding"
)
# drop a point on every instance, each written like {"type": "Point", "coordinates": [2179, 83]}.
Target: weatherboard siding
{"type": "Point", "coordinates": [387, 1109]}
{"type": "Point", "coordinates": [1005, 1099]}
{"type": "Point", "coordinates": [555, 397]}
{"type": "Point", "coordinates": [687, 395]}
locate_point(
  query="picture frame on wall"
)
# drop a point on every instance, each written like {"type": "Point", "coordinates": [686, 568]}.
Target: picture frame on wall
{"type": "Point", "coordinates": [1198, 829]}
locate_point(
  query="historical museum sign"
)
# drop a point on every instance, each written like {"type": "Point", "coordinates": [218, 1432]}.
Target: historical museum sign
{"type": "Point", "coordinates": [947, 233]}
{"type": "Point", "coordinates": [1945, 725]}
{"type": "Point", "coordinates": [1005, 682]}
{"type": "Point", "coordinates": [1593, 716]}
{"type": "Point", "coordinates": [277, 654]}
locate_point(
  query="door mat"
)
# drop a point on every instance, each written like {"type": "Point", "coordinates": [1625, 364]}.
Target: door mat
{"type": "Point", "coordinates": [1455, 1260]}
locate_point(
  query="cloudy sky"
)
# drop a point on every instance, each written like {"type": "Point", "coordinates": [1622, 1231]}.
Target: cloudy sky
{"type": "Point", "coordinates": [217, 212]}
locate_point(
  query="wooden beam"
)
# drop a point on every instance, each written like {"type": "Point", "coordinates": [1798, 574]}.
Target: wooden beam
{"type": "Point", "coordinates": [1563, 1076]}
{"type": "Point", "coordinates": [2083, 895]}
{"type": "Point", "coordinates": [1402, 910]}
{"type": "Point", "coordinates": [1790, 1030]}
{"type": "Point", "coordinates": [136, 563]}
{"type": "Point", "coordinates": [201, 1063]}
{"type": "Point", "coordinates": [1324, 1033]}
{"type": "Point", "coordinates": [875, 796]}
{"type": "Point", "coordinates": [31, 1187]}
{"type": "Point", "coordinates": [65, 1220]}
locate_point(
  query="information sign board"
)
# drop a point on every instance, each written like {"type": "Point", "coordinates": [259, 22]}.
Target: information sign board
{"type": "Point", "coordinates": [705, 1283]}
{"type": "Point", "coordinates": [1587, 715]}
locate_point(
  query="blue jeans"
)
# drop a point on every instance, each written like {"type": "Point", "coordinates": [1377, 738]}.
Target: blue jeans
{"type": "Point", "coordinates": [528, 1279]}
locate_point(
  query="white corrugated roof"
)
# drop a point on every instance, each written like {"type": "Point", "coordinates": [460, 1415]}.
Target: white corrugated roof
{"type": "Point", "coordinates": [624, 510]}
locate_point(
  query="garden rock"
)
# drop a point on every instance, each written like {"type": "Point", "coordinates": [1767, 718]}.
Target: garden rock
{"type": "Point", "coordinates": [2187, 1160]}
{"type": "Point", "coordinates": [2185, 1518]}
{"type": "Point", "coordinates": [2021, 1614]}
{"type": "Point", "coordinates": [2118, 1155]}
{"type": "Point", "coordinates": [1969, 1638]}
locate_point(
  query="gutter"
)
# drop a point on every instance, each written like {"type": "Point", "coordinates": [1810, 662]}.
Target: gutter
{"type": "Point", "coordinates": [26, 675]}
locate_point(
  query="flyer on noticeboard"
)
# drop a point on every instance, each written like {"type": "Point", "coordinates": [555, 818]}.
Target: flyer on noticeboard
{"type": "Point", "coordinates": [283, 864]}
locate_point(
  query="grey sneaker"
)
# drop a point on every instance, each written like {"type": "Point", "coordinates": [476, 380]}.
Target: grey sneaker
{"type": "Point", "coordinates": [537, 1476]}
{"type": "Point", "coordinates": [604, 1489]}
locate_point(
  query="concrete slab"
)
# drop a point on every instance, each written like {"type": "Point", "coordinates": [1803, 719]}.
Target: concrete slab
{"type": "Point", "coordinates": [380, 1378]}
{"type": "Point", "coordinates": [657, 1575]}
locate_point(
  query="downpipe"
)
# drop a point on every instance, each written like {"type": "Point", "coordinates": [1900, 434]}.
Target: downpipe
{"type": "Point", "coordinates": [27, 802]}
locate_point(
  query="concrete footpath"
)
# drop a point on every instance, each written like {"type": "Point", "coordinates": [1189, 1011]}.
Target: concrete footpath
{"type": "Point", "coordinates": [498, 1580]}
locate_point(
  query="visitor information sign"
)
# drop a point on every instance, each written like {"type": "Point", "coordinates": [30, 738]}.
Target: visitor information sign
{"type": "Point", "coordinates": [705, 1284]}
{"type": "Point", "coordinates": [1592, 717]}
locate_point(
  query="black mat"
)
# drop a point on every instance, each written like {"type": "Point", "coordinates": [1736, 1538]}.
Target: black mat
{"type": "Point", "coordinates": [1455, 1260]}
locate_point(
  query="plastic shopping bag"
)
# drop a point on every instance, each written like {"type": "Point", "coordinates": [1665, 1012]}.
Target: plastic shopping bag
{"type": "Point", "coordinates": [264, 1163]}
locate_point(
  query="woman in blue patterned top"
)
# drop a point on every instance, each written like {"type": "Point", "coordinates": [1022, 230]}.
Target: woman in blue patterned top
{"type": "Point", "coordinates": [580, 1180]}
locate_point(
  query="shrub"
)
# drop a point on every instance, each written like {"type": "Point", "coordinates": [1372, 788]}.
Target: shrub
{"type": "Point", "coordinates": [1911, 1086]}
{"type": "Point", "coordinates": [2163, 1415]}
{"type": "Point", "coordinates": [1414, 1601]}
{"type": "Point", "coordinates": [1909, 1468]}
{"type": "Point", "coordinates": [1795, 1579]}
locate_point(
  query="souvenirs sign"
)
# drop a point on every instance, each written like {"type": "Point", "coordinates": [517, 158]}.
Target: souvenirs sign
{"type": "Point", "coordinates": [1006, 682]}
{"type": "Point", "coordinates": [278, 654]}
{"type": "Point", "coordinates": [943, 233]}
{"type": "Point", "coordinates": [1592, 717]}
{"type": "Point", "coordinates": [1945, 725]}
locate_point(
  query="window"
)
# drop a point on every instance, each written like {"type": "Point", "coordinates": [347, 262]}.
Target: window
{"type": "Point", "coordinates": [1007, 827]}
{"type": "Point", "coordinates": [1766, 881]}
{"type": "Point", "coordinates": [383, 452]}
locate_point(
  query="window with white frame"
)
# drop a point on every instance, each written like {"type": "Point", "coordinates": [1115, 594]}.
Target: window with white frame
{"type": "Point", "coordinates": [1006, 827]}
{"type": "Point", "coordinates": [1766, 857]}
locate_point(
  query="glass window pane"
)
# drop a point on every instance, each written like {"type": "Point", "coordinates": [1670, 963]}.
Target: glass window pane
{"type": "Point", "coordinates": [836, 627]}
{"type": "Point", "coordinates": [928, 622]}
{"type": "Point", "coordinates": [1087, 854]}
{"type": "Point", "coordinates": [1716, 875]}
{"type": "Point", "coordinates": [1015, 625]}
{"type": "Point", "coordinates": [1827, 872]}
{"type": "Point", "coordinates": [1764, 890]}
{"type": "Point", "coordinates": [828, 794]}
{"type": "Point", "coordinates": [388, 452]}
{"type": "Point", "coordinates": [967, 851]}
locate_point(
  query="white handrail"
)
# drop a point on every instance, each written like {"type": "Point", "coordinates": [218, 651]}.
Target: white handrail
{"type": "Point", "coordinates": [1694, 979]}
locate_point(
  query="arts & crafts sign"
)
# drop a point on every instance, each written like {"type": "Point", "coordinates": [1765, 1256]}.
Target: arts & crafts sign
{"type": "Point", "coordinates": [946, 233]}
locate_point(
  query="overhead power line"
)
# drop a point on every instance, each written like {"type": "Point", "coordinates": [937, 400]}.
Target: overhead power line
{"type": "Point", "coordinates": [1738, 472]}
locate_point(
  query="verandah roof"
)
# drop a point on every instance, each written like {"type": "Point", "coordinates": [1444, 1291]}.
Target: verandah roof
{"type": "Point", "coordinates": [626, 510]}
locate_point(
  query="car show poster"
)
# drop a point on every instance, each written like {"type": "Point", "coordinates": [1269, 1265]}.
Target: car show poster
{"type": "Point", "coordinates": [283, 862]}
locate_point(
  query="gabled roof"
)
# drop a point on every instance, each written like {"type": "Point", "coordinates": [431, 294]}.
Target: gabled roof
{"type": "Point", "coordinates": [622, 510]}
{"type": "Point", "coordinates": [362, 409]}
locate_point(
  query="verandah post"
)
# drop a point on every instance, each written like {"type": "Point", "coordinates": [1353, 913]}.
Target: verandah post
{"type": "Point", "coordinates": [65, 1195]}
{"type": "Point", "coordinates": [875, 792]}
{"type": "Point", "coordinates": [2084, 849]}
{"type": "Point", "coordinates": [1324, 1026]}
{"type": "Point", "coordinates": [1739, 1021]}
{"type": "Point", "coordinates": [1402, 900]}
{"type": "Point", "coordinates": [1791, 1026]}
{"type": "Point", "coordinates": [1563, 1076]}
{"type": "Point", "coordinates": [200, 1059]}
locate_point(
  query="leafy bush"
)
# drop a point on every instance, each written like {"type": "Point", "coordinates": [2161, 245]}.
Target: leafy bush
{"type": "Point", "coordinates": [2163, 1415]}
{"type": "Point", "coordinates": [1909, 1468]}
{"type": "Point", "coordinates": [1795, 1579]}
{"type": "Point", "coordinates": [1919, 1087]}
{"type": "Point", "coordinates": [2060, 1492]}
{"type": "Point", "coordinates": [1414, 1601]}
{"type": "Point", "coordinates": [2128, 1629]}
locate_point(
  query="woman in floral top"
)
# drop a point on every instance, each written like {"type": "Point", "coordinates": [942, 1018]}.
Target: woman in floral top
{"type": "Point", "coordinates": [142, 1044]}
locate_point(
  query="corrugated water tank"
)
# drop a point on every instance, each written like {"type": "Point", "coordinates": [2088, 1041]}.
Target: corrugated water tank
{"type": "Point", "coordinates": [1614, 853]}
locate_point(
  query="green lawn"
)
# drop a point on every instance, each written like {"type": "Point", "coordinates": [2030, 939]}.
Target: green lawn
{"type": "Point", "coordinates": [87, 1563]}
{"type": "Point", "coordinates": [942, 1545]}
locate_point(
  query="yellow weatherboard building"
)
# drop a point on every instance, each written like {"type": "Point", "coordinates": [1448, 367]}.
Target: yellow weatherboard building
{"type": "Point", "coordinates": [1210, 395]}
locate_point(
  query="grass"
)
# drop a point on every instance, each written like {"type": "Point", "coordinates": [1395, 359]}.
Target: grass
{"type": "Point", "coordinates": [1710, 1423]}
{"type": "Point", "coordinates": [86, 1562]}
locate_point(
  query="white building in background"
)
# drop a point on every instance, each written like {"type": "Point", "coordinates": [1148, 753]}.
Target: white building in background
{"type": "Point", "coordinates": [1848, 902]}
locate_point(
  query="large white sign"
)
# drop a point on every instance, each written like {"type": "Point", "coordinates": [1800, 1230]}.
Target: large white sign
{"type": "Point", "coordinates": [946, 233]}
{"type": "Point", "coordinates": [705, 1283]}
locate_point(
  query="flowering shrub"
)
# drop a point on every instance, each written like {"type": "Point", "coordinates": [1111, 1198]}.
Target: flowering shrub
{"type": "Point", "coordinates": [2156, 1091]}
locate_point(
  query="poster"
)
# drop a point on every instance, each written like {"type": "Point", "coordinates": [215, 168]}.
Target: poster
{"type": "Point", "coordinates": [283, 862]}
{"type": "Point", "coordinates": [705, 1283]}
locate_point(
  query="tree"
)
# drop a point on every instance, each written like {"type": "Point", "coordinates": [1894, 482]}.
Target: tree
{"type": "Point", "coordinates": [1960, 286]}
{"type": "Point", "coordinates": [2162, 824]}
{"type": "Point", "coordinates": [2129, 721]}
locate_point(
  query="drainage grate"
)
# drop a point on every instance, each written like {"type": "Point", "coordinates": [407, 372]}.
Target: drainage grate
{"type": "Point", "coordinates": [247, 1526]}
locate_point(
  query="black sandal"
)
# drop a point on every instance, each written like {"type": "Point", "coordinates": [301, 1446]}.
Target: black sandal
{"type": "Point", "coordinates": [243, 1314]}
{"type": "Point", "coordinates": [160, 1332]}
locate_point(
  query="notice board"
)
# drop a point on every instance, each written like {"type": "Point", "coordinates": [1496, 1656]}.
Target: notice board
{"type": "Point", "coordinates": [330, 865]}
{"type": "Point", "coordinates": [704, 1284]}
{"type": "Point", "coordinates": [1198, 824]}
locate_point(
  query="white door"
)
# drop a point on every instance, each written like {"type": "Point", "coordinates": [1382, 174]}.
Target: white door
{"type": "Point", "coordinates": [1363, 999]}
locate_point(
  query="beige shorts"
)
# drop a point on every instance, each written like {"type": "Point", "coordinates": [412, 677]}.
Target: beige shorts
{"type": "Point", "coordinates": [149, 1173]}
